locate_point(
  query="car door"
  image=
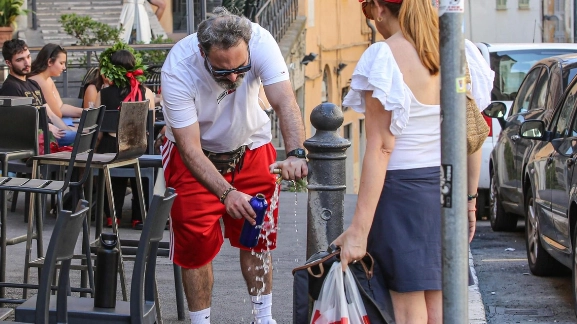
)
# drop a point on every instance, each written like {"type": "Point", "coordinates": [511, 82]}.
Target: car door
{"type": "Point", "coordinates": [558, 179]}
{"type": "Point", "coordinates": [508, 163]}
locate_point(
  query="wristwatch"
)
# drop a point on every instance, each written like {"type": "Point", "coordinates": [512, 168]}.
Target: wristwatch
{"type": "Point", "coordinates": [298, 152]}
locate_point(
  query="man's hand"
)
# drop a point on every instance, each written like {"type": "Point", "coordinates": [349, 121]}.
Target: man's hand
{"type": "Point", "coordinates": [57, 132]}
{"type": "Point", "coordinates": [237, 206]}
{"type": "Point", "coordinates": [292, 168]}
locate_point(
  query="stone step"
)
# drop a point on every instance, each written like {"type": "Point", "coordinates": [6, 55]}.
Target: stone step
{"type": "Point", "coordinates": [84, 11]}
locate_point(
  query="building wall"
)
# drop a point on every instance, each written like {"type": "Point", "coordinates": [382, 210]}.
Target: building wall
{"type": "Point", "coordinates": [337, 32]}
{"type": "Point", "coordinates": [485, 22]}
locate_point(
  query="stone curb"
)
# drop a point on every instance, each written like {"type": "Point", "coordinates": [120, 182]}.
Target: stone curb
{"type": "Point", "coordinates": [476, 306]}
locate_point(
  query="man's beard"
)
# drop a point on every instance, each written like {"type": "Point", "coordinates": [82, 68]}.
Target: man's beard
{"type": "Point", "coordinates": [229, 85]}
{"type": "Point", "coordinates": [20, 72]}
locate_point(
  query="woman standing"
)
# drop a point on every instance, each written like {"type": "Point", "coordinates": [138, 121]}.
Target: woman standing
{"type": "Point", "coordinates": [398, 215]}
{"type": "Point", "coordinates": [124, 71]}
{"type": "Point", "coordinates": [51, 62]}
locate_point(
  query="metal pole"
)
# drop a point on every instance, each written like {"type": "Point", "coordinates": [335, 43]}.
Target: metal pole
{"type": "Point", "coordinates": [202, 10]}
{"type": "Point", "coordinates": [454, 164]}
{"type": "Point", "coordinates": [326, 178]}
{"type": "Point", "coordinates": [190, 28]}
{"type": "Point", "coordinates": [34, 17]}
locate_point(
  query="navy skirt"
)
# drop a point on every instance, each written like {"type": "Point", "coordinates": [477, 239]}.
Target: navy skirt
{"type": "Point", "coordinates": [405, 237]}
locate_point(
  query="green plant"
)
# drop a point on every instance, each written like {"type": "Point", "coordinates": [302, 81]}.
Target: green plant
{"type": "Point", "coordinates": [117, 73]}
{"type": "Point", "coordinates": [89, 31]}
{"type": "Point", "coordinates": [154, 57]}
{"type": "Point", "coordinates": [9, 11]}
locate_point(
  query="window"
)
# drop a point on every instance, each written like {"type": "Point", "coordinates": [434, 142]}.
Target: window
{"type": "Point", "coordinates": [524, 4]}
{"type": "Point", "coordinates": [560, 124]}
{"type": "Point", "coordinates": [511, 67]}
{"type": "Point", "coordinates": [541, 90]}
{"type": "Point", "coordinates": [523, 99]}
{"type": "Point", "coordinates": [501, 4]}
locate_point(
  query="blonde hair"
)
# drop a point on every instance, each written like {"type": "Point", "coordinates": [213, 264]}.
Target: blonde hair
{"type": "Point", "coordinates": [420, 26]}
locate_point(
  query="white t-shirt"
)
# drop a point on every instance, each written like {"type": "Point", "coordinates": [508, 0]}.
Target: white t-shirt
{"type": "Point", "coordinates": [227, 119]}
{"type": "Point", "coordinates": [416, 126]}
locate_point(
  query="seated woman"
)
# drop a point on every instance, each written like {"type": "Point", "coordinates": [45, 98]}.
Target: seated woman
{"type": "Point", "coordinates": [124, 86]}
{"type": "Point", "coordinates": [51, 62]}
{"type": "Point", "coordinates": [90, 90]}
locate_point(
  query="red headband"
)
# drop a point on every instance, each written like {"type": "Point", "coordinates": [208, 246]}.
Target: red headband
{"type": "Point", "coordinates": [391, 1]}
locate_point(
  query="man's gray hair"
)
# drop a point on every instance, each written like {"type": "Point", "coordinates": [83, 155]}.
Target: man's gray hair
{"type": "Point", "coordinates": [223, 30]}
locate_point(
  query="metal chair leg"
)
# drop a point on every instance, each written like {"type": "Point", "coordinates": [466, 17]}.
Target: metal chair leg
{"type": "Point", "coordinates": [179, 291]}
{"type": "Point", "coordinates": [115, 231]}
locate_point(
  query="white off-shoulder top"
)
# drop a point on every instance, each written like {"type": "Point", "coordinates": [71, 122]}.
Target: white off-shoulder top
{"type": "Point", "coordinates": [416, 126]}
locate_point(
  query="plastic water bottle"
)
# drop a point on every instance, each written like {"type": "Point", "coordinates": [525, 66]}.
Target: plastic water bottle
{"type": "Point", "coordinates": [106, 271]}
{"type": "Point", "coordinates": [250, 233]}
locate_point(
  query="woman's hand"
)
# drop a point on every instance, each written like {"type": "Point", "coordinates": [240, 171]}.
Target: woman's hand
{"type": "Point", "coordinates": [472, 216]}
{"type": "Point", "coordinates": [57, 132]}
{"type": "Point", "coordinates": [353, 244]}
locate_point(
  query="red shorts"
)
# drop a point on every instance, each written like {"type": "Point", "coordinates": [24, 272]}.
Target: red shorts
{"type": "Point", "coordinates": [195, 231]}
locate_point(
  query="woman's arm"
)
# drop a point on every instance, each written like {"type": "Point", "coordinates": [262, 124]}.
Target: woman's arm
{"type": "Point", "coordinates": [380, 145]}
{"type": "Point", "coordinates": [55, 120]}
{"type": "Point", "coordinates": [473, 174]}
{"type": "Point", "coordinates": [66, 109]}
{"type": "Point", "coordinates": [90, 96]}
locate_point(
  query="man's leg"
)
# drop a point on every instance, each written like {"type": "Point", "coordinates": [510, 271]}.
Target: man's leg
{"type": "Point", "coordinates": [198, 290]}
{"type": "Point", "coordinates": [257, 272]}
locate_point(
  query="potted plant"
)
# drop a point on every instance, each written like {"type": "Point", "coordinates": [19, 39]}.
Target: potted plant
{"type": "Point", "coordinates": [9, 11]}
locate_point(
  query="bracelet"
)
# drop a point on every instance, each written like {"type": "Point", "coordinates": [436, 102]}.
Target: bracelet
{"type": "Point", "coordinates": [473, 210]}
{"type": "Point", "coordinates": [473, 196]}
{"type": "Point", "coordinates": [225, 194]}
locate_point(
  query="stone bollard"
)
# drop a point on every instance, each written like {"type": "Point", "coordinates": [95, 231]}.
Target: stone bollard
{"type": "Point", "coordinates": [326, 178]}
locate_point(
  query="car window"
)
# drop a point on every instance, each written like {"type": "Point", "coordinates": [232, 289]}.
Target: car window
{"type": "Point", "coordinates": [561, 120]}
{"type": "Point", "coordinates": [568, 75]}
{"type": "Point", "coordinates": [541, 90]}
{"type": "Point", "coordinates": [511, 67]}
{"type": "Point", "coordinates": [523, 100]}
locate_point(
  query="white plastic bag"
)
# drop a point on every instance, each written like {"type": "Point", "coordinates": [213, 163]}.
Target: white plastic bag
{"type": "Point", "coordinates": [339, 301]}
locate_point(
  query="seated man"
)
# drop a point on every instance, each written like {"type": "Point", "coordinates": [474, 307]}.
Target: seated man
{"type": "Point", "coordinates": [18, 60]}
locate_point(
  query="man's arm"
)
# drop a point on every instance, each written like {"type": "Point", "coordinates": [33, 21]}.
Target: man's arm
{"type": "Point", "coordinates": [188, 144]}
{"type": "Point", "coordinates": [280, 96]}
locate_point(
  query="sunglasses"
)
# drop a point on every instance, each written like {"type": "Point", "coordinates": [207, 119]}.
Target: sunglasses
{"type": "Point", "coordinates": [224, 73]}
{"type": "Point", "coordinates": [56, 50]}
{"type": "Point", "coordinates": [367, 10]}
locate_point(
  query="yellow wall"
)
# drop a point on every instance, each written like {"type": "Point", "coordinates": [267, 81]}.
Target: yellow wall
{"type": "Point", "coordinates": [336, 30]}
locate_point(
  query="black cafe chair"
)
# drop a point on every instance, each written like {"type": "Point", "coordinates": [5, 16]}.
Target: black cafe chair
{"type": "Point", "coordinates": [59, 254]}
{"type": "Point", "coordinates": [142, 305]}
{"type": "Point", "coordinates": [81, 156]}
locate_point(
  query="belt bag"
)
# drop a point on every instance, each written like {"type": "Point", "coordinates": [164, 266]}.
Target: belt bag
{"type": "Point", "coordinates": [226, 162]}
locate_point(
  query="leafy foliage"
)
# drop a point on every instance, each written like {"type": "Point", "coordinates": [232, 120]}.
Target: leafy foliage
{"type": "Point", "coordinates": [88, 31]}
{"type": "Point", "coordinates": [9, 11]}
{"type": "Point", "coordinates": [115, 73]}
{"type": "Point", "coordinates": [156, 56]}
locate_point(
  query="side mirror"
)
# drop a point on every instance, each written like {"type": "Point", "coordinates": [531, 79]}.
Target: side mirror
{"type": "Point", "coordinates": [533, 129]}
{"type": "Point", "coordinates": [496, 110]}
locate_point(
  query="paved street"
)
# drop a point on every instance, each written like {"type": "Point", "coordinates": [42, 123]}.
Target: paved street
{"type": "Point", "coordinates": [231, 303]}
{"type": "Point", "coordinates": [511, 294]}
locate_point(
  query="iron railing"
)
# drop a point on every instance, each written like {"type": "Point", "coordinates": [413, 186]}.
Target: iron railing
{"type": "Point", "coordinates": [276, 16]}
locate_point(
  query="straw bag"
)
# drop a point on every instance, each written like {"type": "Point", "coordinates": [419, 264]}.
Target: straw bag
{"type": "Point", "coordinates": [477, 128]}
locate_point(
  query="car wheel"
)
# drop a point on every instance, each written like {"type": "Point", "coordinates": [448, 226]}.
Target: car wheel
{"type": "Point", "coordinates": [540, 262]}
{"type": "Point", "coordinates": [500, 220]}
{"type": "Point", "coordinates": [482, 204]}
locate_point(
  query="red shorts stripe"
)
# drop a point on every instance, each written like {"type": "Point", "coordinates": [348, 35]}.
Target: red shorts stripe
{"type": "Point", "coordinates": [195, 232]}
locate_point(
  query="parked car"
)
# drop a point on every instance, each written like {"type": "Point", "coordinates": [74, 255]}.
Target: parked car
{"type": "Point", "coordinates": [536, 98]}
{"type": "Point", "coordinates": [510, 62]}
{"type": "Point", "coordinates": [551, 192]}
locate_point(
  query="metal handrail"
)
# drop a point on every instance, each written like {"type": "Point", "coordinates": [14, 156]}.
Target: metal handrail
{"type": "Point", "coordinates": [276, 16]}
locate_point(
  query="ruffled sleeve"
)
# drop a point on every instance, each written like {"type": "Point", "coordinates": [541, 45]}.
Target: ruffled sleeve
{"type": "Point", "coordinates": [378, 71]}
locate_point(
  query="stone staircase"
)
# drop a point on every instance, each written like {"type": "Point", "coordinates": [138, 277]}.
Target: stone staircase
{"type": "Point", "coordinates": [107, 11]}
